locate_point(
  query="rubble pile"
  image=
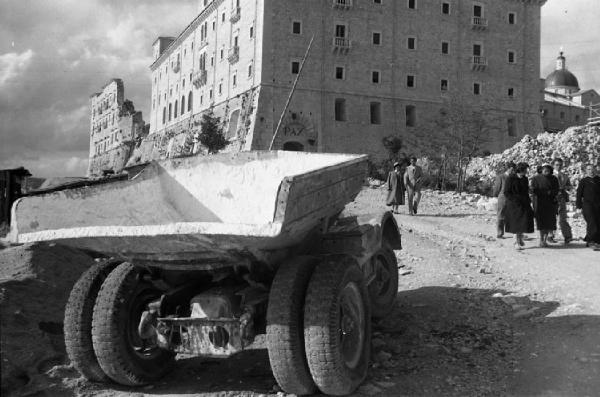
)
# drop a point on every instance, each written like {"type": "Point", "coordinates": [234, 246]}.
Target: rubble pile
{"type": "Point", "coordinates": [577, 146]}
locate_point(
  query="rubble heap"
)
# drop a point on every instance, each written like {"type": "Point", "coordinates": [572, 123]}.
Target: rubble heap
{"type": "Point", "coordinates": [577, 146]}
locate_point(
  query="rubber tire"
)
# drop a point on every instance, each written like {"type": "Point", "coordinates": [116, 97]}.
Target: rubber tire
{"type": "Point", "coordinates": [110, 327]}
{"type": "Point", "coordinates": [321, 327]}
{"type": "Point", "coordinates": [78, 321]}
{"type": "Point", "coordinates": [285, 326]}
{"type": "Point", "coordinates": [382, 306]}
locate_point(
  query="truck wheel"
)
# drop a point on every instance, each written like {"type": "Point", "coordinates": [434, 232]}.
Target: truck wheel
{"type": "Point", "coordinates": [337, 326]}
{"type": "Point", "coordinates": [383, 288]}
{"type": "Point", "coordinates": [285, 326]}
{"type": "Point", "coordinates": [78, 320]}
{"type": "Point", "coordinates": [122, 354]}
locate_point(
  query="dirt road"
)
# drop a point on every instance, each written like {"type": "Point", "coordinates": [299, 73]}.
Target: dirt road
{"type": "Point", "coordinates": [474, 317]}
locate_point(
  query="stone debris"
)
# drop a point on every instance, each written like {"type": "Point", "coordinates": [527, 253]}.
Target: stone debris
{"type": "Point", "coordinates": [577, 146]}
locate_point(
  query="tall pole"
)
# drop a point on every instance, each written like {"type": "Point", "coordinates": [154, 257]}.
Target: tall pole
{"type": "Point", "coordinates": [289, 99]}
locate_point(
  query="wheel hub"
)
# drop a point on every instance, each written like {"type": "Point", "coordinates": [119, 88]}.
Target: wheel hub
{"type": "Point", "coordinates": [352, 324]}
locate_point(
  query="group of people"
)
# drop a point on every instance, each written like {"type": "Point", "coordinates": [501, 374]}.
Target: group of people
{"type": "Point", "coordinates": [543, 198]}
{"type": "Point", "coordinates": [410, 181]}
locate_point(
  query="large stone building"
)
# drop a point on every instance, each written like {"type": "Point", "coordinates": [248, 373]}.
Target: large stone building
{"type": "Point", "coordinates": [376, 68]}
{"type": "Point", "coordinates": [565, 104]}
{"type": "Point", "coordinates": [115, 126]}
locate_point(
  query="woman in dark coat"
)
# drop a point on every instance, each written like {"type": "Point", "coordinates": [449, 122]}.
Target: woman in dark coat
{"type": "Point", "coordinates": [588, 200]}
{"type": "Point", "coordinates": [518, 215]}
{"type": "Point", "coordinates": [545, 189]}
{"type": "Point", "coordinates": [396, 189]}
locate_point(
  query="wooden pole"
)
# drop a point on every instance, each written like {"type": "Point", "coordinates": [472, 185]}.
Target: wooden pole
{"type": "Point", "coordinates": [289, 99]}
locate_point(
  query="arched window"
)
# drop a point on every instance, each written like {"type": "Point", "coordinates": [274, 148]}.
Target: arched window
{"type": "Point", "coordinates": [190, 99]}
{"type": "Point", "coordinates": [175, 113]}
{"type": "Point", "coordinates": [170, 108]}
{"type": "Point", "coordinates": [183, 104]}
{"type": "Point", "coordinates": [164, 115]}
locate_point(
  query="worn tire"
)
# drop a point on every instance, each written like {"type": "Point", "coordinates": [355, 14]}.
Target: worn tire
{"type": "Point", "coordinates": [285, 326]}
{"type": "Point", "coordinates": [114, 330]}
{"type": "Point", "coordinates": [384, 290]}
{"type": "Point", "coordinates": [336, 367]}
{"type": "Point", "coordinates": [78, 321]}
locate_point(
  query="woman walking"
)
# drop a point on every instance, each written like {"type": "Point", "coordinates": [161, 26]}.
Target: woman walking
{"type": "Point", "coordinates": [588, 200]}
{"type": "Point", "coordinates": [518, 215]}
{"type": "Point", "coordinates": [396, 189]}
{"type": "Point", "coordinates": [545, 189]}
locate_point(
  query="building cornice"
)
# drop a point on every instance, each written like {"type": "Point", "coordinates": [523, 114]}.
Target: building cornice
{"type": "Point", "coordinates": [186, 32]}
{"type": "Point", "coordinates": [534, 2]}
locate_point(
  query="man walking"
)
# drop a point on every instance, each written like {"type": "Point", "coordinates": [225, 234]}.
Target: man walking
{"type": "Point", "coordinates": [413, 179]}
{"type": "Point", "coordinates": [564, 187]}
{"type": "Point", "coordinates": [498, 191]}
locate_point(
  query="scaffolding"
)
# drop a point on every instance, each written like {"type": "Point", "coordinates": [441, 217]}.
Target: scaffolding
{"type": "Point", "coordinates": [594, 119]}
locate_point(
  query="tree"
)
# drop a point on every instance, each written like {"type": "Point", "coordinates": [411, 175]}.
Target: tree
{"type": "Point", "coordinates": [456, 135]}
{"type": "Point", "coordinates": [393, 144]}
{"type": "Point", "coordinates": [211, 134]}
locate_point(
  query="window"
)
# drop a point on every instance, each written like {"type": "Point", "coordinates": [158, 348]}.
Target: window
{"type": "Point", "coordinates": [375, 77]}
{"type": "Point", "coordinates": [295, 67]}
{"type": "Point", "coordinates": [234, 79]}
{"type": "Point", "coordinates": [222, 53]}
{"type": "Point", "coordinates": [183, 104]}
{"type": "Point", "coordinates": [297, 27]}
{"type": "Point", "coordinates": [477, 10]}
{"type": "Point", "coordinates": [212, 61]}
{"type": "Point", "coordinates": [250, 70]}
{"type": "Point", "coordinates": [375, 110]}
{"type": "Point", "coordinates": [376, 38]}
{"type": "Point", "coordinates": [340, 109]}
{"type": "Point", "coordinates": [170, 109]}
{"type": "Point", "coordinates": [476, 88]}
{"type": "Point", "coordinates": [412, 4]}
{"type": "Point", "coordinates": [444, 85]}
{"type": "Point", "coordinates": [411, 43]}
{"type": "Point", "coordinates": [445, 8]}
{"type": "Point", "coordinates": [511, 127]}
{"type": "Point", "coordinates": [340, 31]}
{"type": "Point", "coordinates": [175, 112]}
{"type": "Point", "coordinates": [251, 31]}
{"type": "Point", "coordinates": [511, 57]}
{"type": "Point", "coordinates": [377, 1]}
{"type": "Point", "coordinates": [223, 17]}
{"type": "Point", "coordinates": [512, 18]}
{"type": "Point", "coordinates": [410, 81]}
{"type": "Point", "coordinates": [210, 94]}
{"type": "Point", "coordinates": [577, 118]}
{"type": "Point", "coordinates": [477, 50]}
{"type": "Point", "coordinates": [190, 101]}
{"type": "Point", "coordinates": [220, 88]}
{"type": "Point", "coordinates": [511, 92]}
{"type": "Point", "coordinates": [164, 115]}
{"type": "Point", "coordinates": [340, 73]}
{"type": "Point", "coordinates": [562, 115]}
{"type": "Point", "coordinates": [445, 47]}
{"type": "Point", "coordinates": [411, 115]}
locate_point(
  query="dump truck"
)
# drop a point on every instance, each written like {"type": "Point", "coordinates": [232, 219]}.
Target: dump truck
{"type": "Point", "coordinates": [202, 254]}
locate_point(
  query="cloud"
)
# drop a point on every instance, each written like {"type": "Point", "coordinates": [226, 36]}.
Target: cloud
{"type": "Point", "coordinates": [64, 51]}
{"type": "Point", "coordinates": [12, 64]}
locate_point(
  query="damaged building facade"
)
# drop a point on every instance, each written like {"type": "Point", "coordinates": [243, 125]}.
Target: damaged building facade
{"type": "Point", "coordinates": [115, 128]}
{"type": "Point", "coordinates": [376, 68]}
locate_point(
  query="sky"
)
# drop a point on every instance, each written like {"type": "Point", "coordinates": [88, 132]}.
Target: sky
{"type": "Point", "coordinates": [55, 54]}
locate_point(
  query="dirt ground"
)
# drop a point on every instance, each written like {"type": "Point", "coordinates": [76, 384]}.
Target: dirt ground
{"type": "Point", "coordinates": [474, 317]}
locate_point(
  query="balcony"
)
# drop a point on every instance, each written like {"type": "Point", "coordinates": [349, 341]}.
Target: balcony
{"type": "Point", "coordinates": [478, 62]}
{"type": "Point", "coordinates": [479, 23]}
{"type": "Point", "coordinates": [342, 4]}
{"type": "Point", "coordinates": [234, 54]}
{"type": "Point", "coordinates": [199, 78]}
{"type": "Point", "coordinates": [341, 44]}
{"type": "Point", "coordinates": [235, 15]}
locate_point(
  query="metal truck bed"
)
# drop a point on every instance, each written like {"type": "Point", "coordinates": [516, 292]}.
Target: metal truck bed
{"type": "Point", "coordinates": [217, 209]}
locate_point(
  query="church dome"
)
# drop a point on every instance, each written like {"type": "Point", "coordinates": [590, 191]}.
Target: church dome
{"type": "Point", "coordinates": [562, 78]}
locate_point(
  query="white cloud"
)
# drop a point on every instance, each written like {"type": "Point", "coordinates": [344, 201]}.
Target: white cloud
{"type": "Point", "coordinates": [13, 64]}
